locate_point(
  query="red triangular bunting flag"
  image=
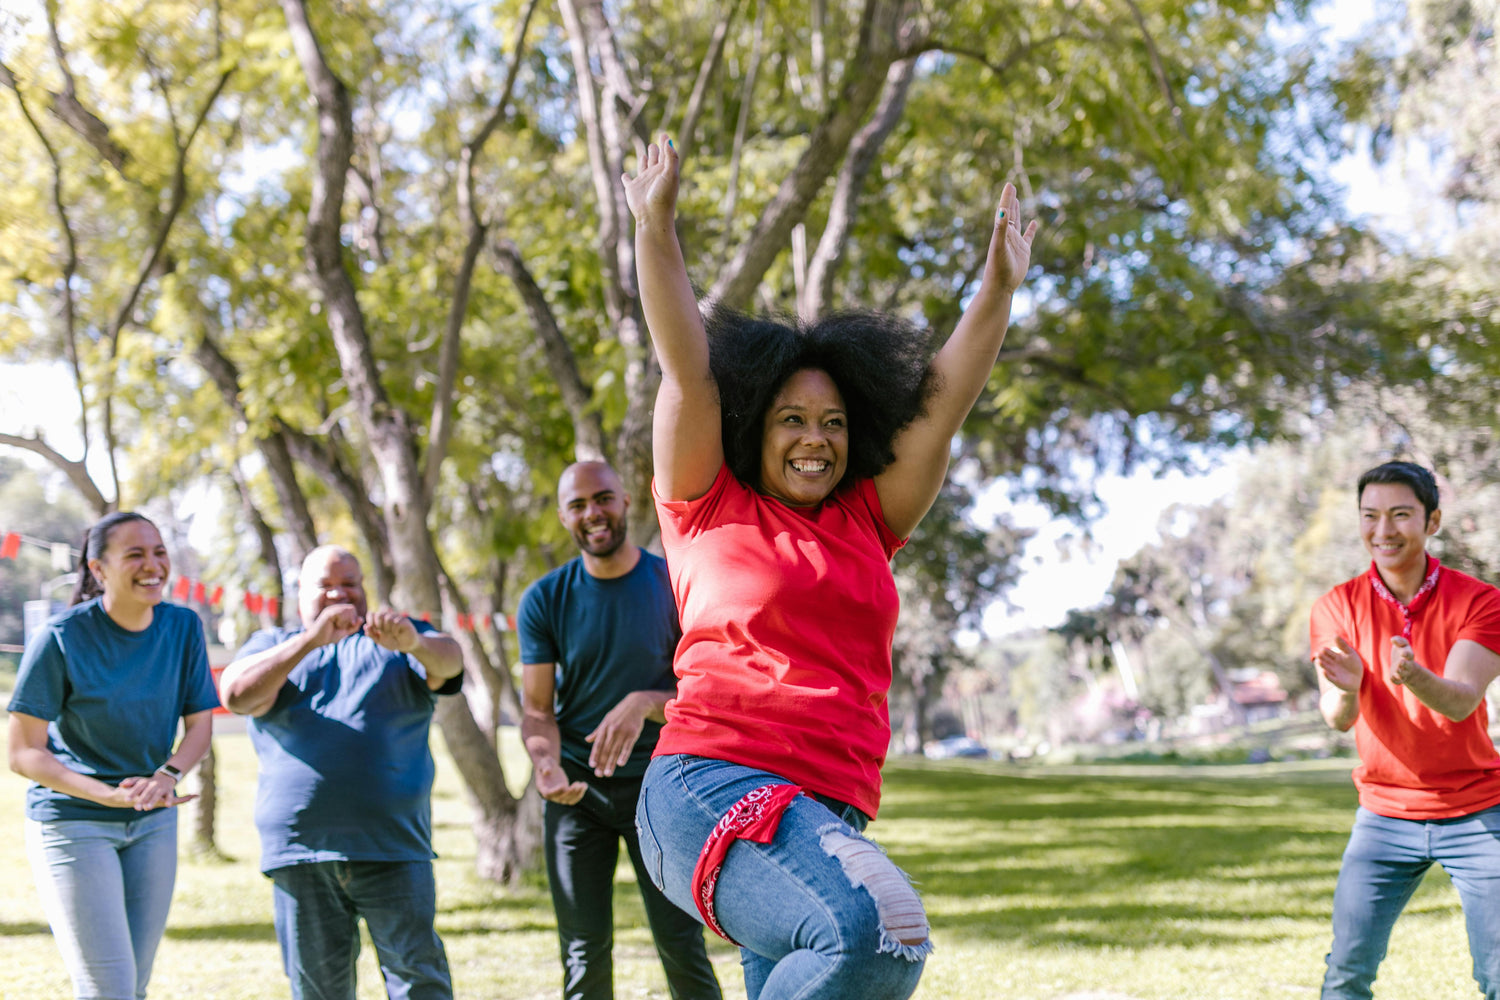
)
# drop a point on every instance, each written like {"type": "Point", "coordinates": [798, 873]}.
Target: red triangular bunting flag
{"type": "Point", "coordinates": [11, 546]}
{"type": "Point", "coordinates": [181, 588]}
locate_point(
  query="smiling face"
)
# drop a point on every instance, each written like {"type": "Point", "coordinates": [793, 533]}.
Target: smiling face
{"type": "Point", "coordinates": [804, 440]}
{"type": "Point", "coordinates": [591, 503]}
{"type": "Point", "coordinates": [329, 576]}
{"type": "Point", "coordinates": [133, 568]}
{"type": "Point", "coordinates": [1395, 528]}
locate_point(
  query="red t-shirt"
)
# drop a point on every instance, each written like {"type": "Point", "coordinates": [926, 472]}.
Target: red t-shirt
{"type": "Point", "coordinates": [787, 620]}
{"type": "Point", "coordinates": [1414, 762]}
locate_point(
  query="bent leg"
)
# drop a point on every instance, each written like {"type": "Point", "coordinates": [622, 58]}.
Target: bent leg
{"type": "Point", "coordinates": [398, 900]}
{"type": "Point", "coordinates": [791, 901]}
{"type": "Point", "coordinates": [317, 929]}
{"type": "Point", "coordinates": [1469, 849]}
{"type": "Point", "coordinates": [77, 868]}
{"type": "Point", "coordinates": [1382, 867]}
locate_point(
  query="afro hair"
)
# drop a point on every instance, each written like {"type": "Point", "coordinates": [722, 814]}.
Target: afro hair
{"type": "Point", "coordinates": [881, 365]}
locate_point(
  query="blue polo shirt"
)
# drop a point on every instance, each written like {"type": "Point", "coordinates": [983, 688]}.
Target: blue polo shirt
{"type": "Point", "coordinates": [607, 638]}
{"type": "Point", "coordinates": [345, 768]}
{"type": "Point", "coordinates": [112, 698]}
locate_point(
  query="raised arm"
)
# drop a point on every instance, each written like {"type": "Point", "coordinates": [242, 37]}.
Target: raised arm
{"type": "Point", "coordinates": [250, 685]}
{"type": "Point", "coordinates": [686, 447]}
{"type": "Point", "coordinates": [909, 485]}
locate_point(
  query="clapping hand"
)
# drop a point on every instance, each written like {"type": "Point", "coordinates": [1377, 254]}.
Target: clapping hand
{"type": "Point", "coordinates": [1340, 665]}
{"type": "Point", "coordinates": [392, 630]}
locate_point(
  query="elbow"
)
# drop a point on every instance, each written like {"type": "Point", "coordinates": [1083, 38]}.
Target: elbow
{"type": "Point", "coordinates": [1458, 713]}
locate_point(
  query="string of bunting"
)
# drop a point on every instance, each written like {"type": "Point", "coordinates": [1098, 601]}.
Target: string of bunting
{"type": "Point", "coordinates": [188, 590]}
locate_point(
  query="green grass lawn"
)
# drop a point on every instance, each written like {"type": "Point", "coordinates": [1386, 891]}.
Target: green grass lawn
{"type": "Point", "coordinates": [1119, 882]}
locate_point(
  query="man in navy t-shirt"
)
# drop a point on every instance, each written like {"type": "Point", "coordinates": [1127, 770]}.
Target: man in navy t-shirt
{"type": "Point", "coordinates": [597, 638]}
{"type": "Point", "coordinates": [340, 713]}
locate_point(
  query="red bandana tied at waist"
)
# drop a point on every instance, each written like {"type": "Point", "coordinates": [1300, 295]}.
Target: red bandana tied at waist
{"type": "Point", "coordinates": [755, 818]}
{"type": "Point", "coordinates": [1410, 609]}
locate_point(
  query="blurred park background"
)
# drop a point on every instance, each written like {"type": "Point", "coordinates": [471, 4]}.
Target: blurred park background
{"type": "Point", "coordinates": [362, 272]}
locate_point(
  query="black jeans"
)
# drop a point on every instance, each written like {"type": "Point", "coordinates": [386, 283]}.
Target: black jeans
{"type": "Point", "coordinates": [583, 848]}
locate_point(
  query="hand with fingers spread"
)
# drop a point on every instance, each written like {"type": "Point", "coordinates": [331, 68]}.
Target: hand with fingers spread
{"type": "Point", "coordinates": [1341, 666]}
{"type": "Point", "coordinates": [1009, 255]}
{"type": "Point", "coordinates": [652, 192]}
{"type": "Point", "coordinates": [614, 738]}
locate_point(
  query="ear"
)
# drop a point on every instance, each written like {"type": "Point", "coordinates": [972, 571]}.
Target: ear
{"type": "Point", "coordinates": [96, 570]}
{"type": "Point", "coordinates": [1434, 521]}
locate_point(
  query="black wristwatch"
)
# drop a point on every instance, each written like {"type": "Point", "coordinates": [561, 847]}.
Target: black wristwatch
{"type": "Point", "coordinates": [170, 772]}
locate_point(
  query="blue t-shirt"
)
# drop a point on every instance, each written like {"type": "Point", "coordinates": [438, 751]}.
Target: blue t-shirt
{"type": "Point", "coordinates": [607, 639]}
{"type": "Point", "coordinates": [112, 698]}
{"type": "Point", "coordinates": [345, 768]}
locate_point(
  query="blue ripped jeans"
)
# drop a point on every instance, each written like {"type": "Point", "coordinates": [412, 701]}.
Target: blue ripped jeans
{"type": "Point", "coordinates": [806, 930]}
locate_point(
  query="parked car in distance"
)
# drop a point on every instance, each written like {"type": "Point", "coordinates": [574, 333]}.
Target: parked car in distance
{"type": "Point", "coordinates": [955, 746]}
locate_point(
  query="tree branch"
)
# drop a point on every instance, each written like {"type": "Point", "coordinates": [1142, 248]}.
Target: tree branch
{"type": "Point", "coordinates": [706, 68]}
{"type": "Point", "coordinates": [879, 43]}
{"type": "Point", "coordinates": [863, 152]}
{"type": "Point", "coordinates": [448, 354]}
{"type": "Point", "coordinates": [588, 431]}
{"type": "Point", "coordinates": [77, 474]}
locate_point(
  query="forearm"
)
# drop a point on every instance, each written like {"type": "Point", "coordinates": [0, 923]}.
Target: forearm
{"type": "Point", "coordinates": [197, 734]}
{"type": "Point", "coordinates": [440, 655]}
{"type": "Point", "coordinates": [669, 305]}
{"type": "Point", "coordinates": [964, 363]}
{"type": "Point", "coordinates": [653, 704]}
{"type": "Point", "coordinates": [542, 739]}
{"type": "Point", "coordinates": [1340, 708]}
{"type": "Point", "coordinates": [250, 686]}
{"type": "Point", "coordinates": [1455, 700]}
{"type": "Point", "coordinates": [41, 766]}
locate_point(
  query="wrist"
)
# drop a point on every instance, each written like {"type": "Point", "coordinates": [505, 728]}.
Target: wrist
{"type": "Point", "coordinates": [171, 772]}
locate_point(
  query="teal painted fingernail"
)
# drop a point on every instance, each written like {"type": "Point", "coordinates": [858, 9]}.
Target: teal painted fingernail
{"type": "Point", "coordinates": [669, 143]}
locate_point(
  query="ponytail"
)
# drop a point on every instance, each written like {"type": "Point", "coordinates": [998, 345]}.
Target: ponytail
{"type": "Point", "coordinates": [95, 541]}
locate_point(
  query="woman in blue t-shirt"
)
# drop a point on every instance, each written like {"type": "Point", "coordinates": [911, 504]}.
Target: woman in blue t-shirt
{"type": "Point", "coordinates": [95, 710]}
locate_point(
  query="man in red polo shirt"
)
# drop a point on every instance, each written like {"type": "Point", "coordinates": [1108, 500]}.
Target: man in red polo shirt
{"type": "Point", "coordinates": [1404, 654]}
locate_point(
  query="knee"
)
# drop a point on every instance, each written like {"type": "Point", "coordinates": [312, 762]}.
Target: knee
{"type": "Point", "coordinates": [903, 920]}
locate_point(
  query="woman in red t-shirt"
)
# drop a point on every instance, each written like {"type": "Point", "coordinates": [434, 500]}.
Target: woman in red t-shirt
{"type": "Point", "coordinates": [790, 464]}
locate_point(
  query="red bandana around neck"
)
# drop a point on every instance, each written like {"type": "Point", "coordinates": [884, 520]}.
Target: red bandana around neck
{"type": "Point", "coordinates": [1408, 610]}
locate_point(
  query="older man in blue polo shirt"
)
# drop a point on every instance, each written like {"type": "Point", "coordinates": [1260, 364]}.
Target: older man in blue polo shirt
{"type": "Point", "coordinates": [340, 714]}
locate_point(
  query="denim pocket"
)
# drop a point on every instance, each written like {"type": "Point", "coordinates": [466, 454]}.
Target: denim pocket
{"type": "Point", "coordinates": [650, 849]}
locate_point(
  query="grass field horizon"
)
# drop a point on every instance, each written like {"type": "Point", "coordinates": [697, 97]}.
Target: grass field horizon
{"type": "Point", "coordinates": [1122, 881]}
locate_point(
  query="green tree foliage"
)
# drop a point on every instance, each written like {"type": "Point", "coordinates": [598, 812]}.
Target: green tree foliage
{"type": "Point", "coordinates": [368, 266]}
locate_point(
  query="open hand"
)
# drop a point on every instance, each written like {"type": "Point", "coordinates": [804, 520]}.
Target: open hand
{"type": "Point", "coordinates": [652, 192]}
{"type": "Point", "coordinates": [392, 630]}
{"type": "Point", "coordinates": [553, 785]}
{"type": "Point", "coordinates": [615, 736]}
{"type": "Point", "coordinates": [1340, 665]}
{"type": "Point", "coordinates": [1009, 255]}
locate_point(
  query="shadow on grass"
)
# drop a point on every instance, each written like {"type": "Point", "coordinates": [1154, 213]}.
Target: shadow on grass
{"type": "Point", "coordinates": [257, 931]}
{"type": "Point", "coordinates": [23, 929]}
{"type": "Point", "coordinates": [1122, 860]}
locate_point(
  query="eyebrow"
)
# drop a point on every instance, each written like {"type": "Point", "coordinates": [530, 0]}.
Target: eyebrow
{"type": "Point", "coordinates": [1397, 506]}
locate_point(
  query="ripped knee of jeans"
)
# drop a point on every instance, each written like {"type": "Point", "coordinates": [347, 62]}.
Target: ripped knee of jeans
{"type": "Point", "coordinates": [903, 921]}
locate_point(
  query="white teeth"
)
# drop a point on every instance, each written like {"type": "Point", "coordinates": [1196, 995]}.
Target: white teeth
{"type": "Point", "coordinates": [809, 465]}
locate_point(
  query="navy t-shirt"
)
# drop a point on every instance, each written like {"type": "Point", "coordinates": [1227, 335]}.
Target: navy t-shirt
{"type": "Point", "coordinates": [607, 639]}
{"type": "Point", "coordinates": [112, 698]}
{"type": "Point", "coordinates": [345, 768]}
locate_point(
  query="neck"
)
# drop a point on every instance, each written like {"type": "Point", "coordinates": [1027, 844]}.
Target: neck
{"type": "Point", "coordinates": [128, 614]}
{"type": "Point", "coordinates": [1404, 583]}
{"type": "Point", "coordinates": [616, 564]}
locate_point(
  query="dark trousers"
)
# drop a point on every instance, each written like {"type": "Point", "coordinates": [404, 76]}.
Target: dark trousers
{"type": "Point", "coordinates": [583, 848]}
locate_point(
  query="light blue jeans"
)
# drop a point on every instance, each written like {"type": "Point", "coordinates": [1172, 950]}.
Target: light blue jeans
{"type": "Point", "coordinates": [1382, 867]}
{"type": "Point", "coordinates": [106, 888]}
{"type": "Point", "coordinates": [806, 930]}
